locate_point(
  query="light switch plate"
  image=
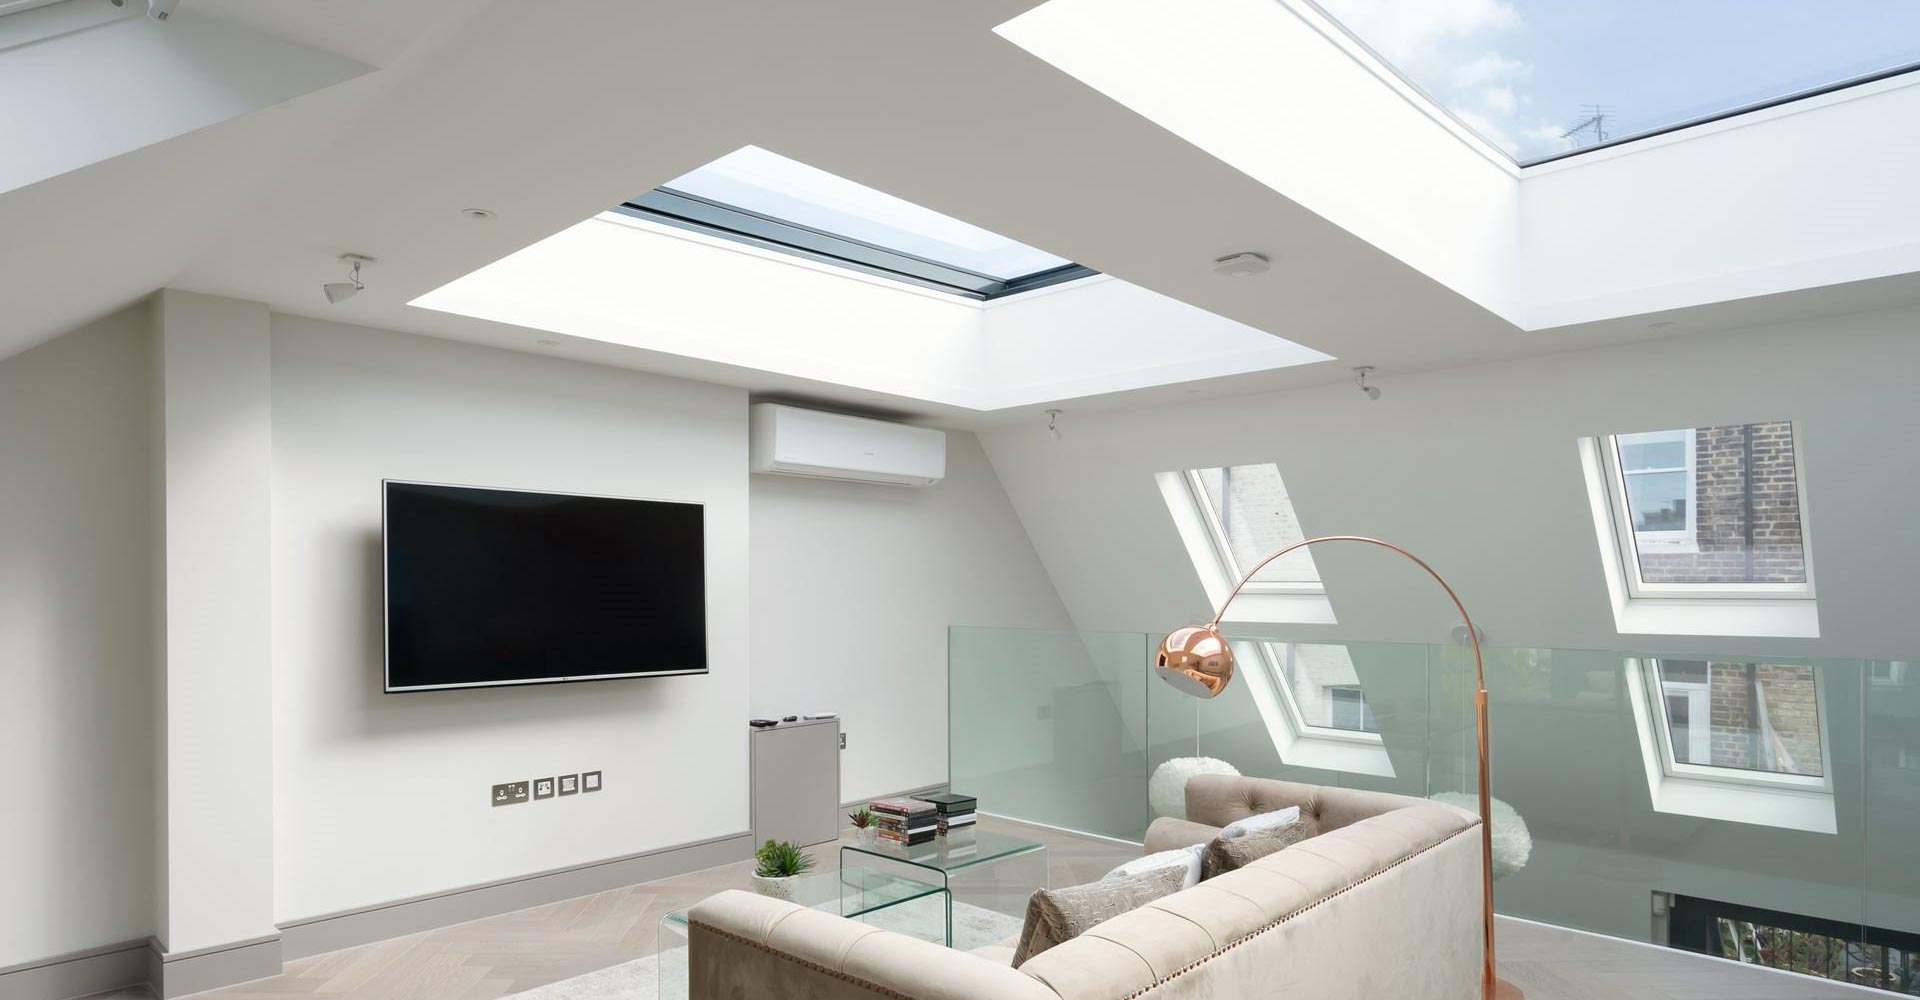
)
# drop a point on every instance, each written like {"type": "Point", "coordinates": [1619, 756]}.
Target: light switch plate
{"type": "Point", "coordinates": [543, 788]}
{"type": "Point", "coordinates": [569, 784]}
{"type": "Point", "coordinates": [510, 794]}
{"type": "Point", "coordinates": [590, 781]}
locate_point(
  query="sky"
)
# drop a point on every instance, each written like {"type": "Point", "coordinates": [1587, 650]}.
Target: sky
{"type": "Point", "coordinates": [1521, 72]}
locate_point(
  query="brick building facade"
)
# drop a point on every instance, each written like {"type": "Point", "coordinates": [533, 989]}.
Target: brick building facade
{"type": "Point", "coordinates": [1746, 516]}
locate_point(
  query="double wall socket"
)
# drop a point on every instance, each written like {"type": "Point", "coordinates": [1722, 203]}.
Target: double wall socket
{"type": "Point", "coordinates": [511, 793]}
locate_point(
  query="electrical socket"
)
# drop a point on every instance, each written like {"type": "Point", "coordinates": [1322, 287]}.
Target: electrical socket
{"type": "Point", "coordinates": [543, 788]}
{"type": "Point", "coordinates": [511, 793]}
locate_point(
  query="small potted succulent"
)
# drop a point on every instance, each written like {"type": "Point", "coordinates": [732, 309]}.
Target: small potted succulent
{"type": "Point", "coordinates": [863, 827]}
{"type": "Point", "coordinates": [775, 865]}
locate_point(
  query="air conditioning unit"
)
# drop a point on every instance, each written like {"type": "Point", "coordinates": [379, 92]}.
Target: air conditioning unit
{"type": "Point", "coordinates": [789, 441]}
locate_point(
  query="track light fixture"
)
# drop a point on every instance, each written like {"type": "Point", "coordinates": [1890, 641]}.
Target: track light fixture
{"type": "Point", "coordinates": [340, 291]}
{"type": "Point", "coordinates": [159, 10]}
{"type": "Point", "coordinates": [1360, 374]}
{"type": "Point", "coordinates": [1052, 430]}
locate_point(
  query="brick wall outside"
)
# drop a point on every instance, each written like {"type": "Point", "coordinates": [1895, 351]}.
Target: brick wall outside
{"type": "Point", "coordinates": [1721, 487]}
{"type": "Point", "coordinates": [1792, 711]}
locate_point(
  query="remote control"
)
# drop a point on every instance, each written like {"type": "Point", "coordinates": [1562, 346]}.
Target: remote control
{"type": "Point", "coordinates": [762, 723]}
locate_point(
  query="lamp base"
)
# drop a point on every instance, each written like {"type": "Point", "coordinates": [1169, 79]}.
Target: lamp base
{"type": "Point", "coordinates": [1503, 990]}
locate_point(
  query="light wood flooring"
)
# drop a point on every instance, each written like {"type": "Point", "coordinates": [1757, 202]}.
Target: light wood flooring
{"type": "Point", "coordinates": [502, 955]}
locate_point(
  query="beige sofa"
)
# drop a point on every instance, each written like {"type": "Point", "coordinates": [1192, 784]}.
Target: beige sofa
{"type": "Point", "coordinates": [1382, 902]}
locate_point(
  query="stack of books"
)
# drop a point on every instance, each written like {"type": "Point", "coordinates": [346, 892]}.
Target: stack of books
{"type": "Point", "coordinates": [952, 813]}
{"type": "Point", "coordinates": [904, 821]}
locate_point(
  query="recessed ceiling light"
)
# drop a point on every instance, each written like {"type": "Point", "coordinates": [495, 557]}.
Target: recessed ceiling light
{"type": "Point", "coordinates": [1240, 265]}
{"type": "Point", "coordinates": [548, 343]}
{"type": "Point", "coordinates": [1662, 325]}
{"type": "Point", "coordinates": [477, 214]}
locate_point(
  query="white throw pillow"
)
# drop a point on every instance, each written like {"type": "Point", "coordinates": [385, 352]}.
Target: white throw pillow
{"type": "Point", "coordinates": [1264, 821]}
{"type": "Point", "coordinates": [1186, 857]}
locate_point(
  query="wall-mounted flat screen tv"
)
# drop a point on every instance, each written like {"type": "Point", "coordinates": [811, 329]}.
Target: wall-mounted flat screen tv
{"type": "Point", "coordinates": [494, 587]}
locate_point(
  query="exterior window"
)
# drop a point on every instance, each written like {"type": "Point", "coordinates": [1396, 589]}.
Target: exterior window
{"type": "Point", "coordinates": [1350, 709]}
{"type": "Point", "coordinates": [1251, 517]}
{"type": "Point", "coordinates": [1710, 511]}
{"type": "Point", "coordinates": [1742, 721]}
{"type": "Point", "coordinates": [1843, 951]}
{"type": "Point", "coordinates": [1321, 689]}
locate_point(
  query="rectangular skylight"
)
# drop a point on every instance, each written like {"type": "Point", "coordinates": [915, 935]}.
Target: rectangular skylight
{"type": "Point", "coordinates": [1542, 79]}
{"type": "Point", "coordinates": [768, 200]}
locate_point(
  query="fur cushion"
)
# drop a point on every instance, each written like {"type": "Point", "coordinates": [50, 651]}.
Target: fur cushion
{"type": "Point", "coordinates": [1224, 854]}
{"type": "Point", "coordinates": [1056, 916]}
{"type": "Point", "coordinates": [1187, 858]}
{"type": "Point", "coordinates": [1263, 821]}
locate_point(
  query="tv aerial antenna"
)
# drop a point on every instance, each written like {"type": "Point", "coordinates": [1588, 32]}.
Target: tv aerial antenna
{"type": "Point", "coordinates": [1593, 122]}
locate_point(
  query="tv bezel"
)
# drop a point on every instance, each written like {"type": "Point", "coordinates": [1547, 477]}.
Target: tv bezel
{"type": "Point", "coordinates": [386, 595]}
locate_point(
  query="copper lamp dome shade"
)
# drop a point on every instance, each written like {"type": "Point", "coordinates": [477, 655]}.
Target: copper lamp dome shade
{"type": "Point", "coordinates": [1196, 660]}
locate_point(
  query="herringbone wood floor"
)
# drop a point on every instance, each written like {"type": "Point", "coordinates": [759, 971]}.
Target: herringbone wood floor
{"type": "Point", "coordinates": [518, 951]}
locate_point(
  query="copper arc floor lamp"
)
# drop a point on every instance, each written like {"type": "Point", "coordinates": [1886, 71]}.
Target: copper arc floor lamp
{"type": "Point", "coordinates": [1198, 660]}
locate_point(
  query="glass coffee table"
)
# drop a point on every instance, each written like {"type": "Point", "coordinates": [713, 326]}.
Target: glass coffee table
{"type": "Point", "coordinates": [897, 903]}
{"type": "Point", "coordinates": [986, 870]}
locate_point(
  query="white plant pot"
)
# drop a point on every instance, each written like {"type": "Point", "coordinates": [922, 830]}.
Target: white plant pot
{"type": "Point", "coordinates": [775, 888]}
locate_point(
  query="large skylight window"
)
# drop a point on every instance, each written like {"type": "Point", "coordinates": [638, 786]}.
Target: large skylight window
{"type": "Point", "coordinates": [768, 200]}
{"type": "Point", "coordinates": [1542, 79]}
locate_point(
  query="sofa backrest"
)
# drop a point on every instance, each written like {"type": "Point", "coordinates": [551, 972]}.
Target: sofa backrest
{"type": "Point", "coordinates": [1219, 799]}
{"type": "Point", "coordinates": [1383, 905]}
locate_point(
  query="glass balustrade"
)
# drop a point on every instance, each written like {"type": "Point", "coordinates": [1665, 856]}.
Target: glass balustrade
{"type": "Point", "coordinates": [1763, 809]}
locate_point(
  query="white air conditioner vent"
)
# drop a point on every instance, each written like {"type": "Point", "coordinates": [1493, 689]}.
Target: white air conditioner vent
{"type": "Point", "coordinates": [789, 441]}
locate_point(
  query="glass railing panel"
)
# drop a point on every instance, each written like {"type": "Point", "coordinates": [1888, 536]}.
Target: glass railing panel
{"type": "Point", "coordinates": [1620, 847]}
{"type": "Point", "coordinates": [1891, 694]}
{"type": "Point", "coordinates": [1051, 727]}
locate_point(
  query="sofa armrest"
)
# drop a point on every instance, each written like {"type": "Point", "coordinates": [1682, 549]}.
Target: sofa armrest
{"type": "Point", "coordinates": [743, 945]}
{"type": "Point", "coordinates": [1167, 833]}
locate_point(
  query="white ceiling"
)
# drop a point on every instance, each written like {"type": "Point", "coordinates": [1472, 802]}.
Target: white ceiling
{"type": "Point", "coordinates": [547, 113]}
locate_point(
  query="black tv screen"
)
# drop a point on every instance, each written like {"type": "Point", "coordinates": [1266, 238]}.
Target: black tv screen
{"type": "Point", "coordinates": [489, 587]}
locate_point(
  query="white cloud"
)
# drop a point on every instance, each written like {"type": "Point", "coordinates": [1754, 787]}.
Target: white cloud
{"type": "Point", "coordinates": [1453, 49]}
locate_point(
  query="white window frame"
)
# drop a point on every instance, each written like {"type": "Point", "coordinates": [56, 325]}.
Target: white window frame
{"type": "Point", "coordinates": [1278, 658]}
{"type": "Point", "coordinates": [1738, 795]}
{"type": "Point", "coordinates": [1223, 548]}
{"type": "Point", "coordinates": [1697, 610]}
{"type": "Point", "coordinates": [1206, 546]}
{"type": "Point", "coordinates": [1737, 775]}
{"type": "Point", "coordinates": [1627, 541]}
{"type": "Point", "coordinates": [1296, 743]}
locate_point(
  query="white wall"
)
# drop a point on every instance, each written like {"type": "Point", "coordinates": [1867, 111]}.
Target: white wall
{"type": "Point", "coordinates": [844, 566]}
{"type": "Point", "coordinates": [380, 797]}
{"type": "Point", "coordinates": [1475, 470]}
{"type": "Point", "coordinates": [215, 795]}
{"type": "Point", "coordinates": [77, 640]}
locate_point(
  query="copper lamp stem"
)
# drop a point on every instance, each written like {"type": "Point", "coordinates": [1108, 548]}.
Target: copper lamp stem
{"type": "Point", "coordinates": [1490, 983]}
